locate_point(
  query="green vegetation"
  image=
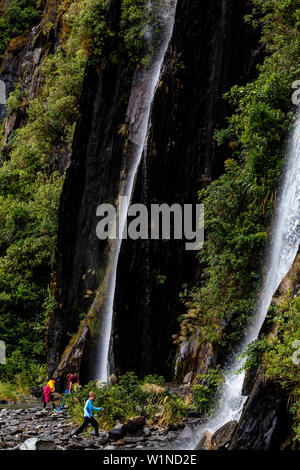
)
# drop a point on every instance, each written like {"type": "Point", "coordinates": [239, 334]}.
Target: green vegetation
{"type": "Point", "coordinates": [12, 392]}
{"type": "Point", "coordinates": [29, 195]}
{"type": "Point", "coordinates": [129, 398]}
{"type": "Point", "coordinates": [280, 351]}
{"type": "Point", "coordinates": [280, 359]}
{"type": "Point", "coordinates": [239, 205]}
{"type": "Point", "coordinates": [254, 354]}
{"type": "Point", "coordinates": [30, 186]}
{"type": "Point", "coordinates": [206, 391]}
{"type": "Point", "coordinates": [136, 17]}
{"type": "Point", "coordinates": [276, 356]}
{"type": "Point", "coordinates": [19, 17]}
{"type": "Point", "coordinates": [31, 375]}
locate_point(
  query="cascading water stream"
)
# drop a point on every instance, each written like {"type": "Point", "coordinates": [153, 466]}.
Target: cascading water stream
{"type": "Point", "coordinates": [145, 83]}
{"type": "Point", "coordinates": [283, 249]}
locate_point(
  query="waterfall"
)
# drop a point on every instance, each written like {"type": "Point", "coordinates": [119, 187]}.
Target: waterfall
{"type": "Point", "coordinates": [283, 249]}
{"type": "Point", "coordinates": [145, 82]}
{"type": "Point", "coordinates": [2, 93]}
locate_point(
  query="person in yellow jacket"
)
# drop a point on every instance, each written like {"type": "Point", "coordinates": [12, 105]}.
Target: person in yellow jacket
{"type": "Point", "coordinates": [51, 385]}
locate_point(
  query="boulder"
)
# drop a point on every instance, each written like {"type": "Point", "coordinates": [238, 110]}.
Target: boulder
{"type": "Point", "coordinates": [132, 440]}
{"type": "Point", "coordinates": [36, 392]}
{"type": "Point", "coordinates": [188, 378]}
{"type": "Point", "coordinates": [113, 379]}
{"type": "Point", "coordinates": [205, 441]}
{"type": "Point", "coordinates": [14, 430]}
{"type": "Point", "coordinates": [222, 436]}
{"type": "Point", "coordinates": [45, 445]}
{"type": "Point", "coordinates": [174, 427]}
{"type": "Point", "coordinates": [117, 432]}
{"type": "Point", "coordinates": [14, 422]}
{"type": "Point", "coordinates": [132, 425]}
{"type": "Point", "coordinates": [38, 444]}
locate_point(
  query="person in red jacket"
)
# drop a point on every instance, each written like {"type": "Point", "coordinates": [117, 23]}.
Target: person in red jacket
{"type": "Point", "coordinates": [71, 380]}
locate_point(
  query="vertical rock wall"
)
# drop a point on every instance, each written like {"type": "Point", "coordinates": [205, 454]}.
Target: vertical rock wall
{"type": "Point", "coordinates": [211, 49]}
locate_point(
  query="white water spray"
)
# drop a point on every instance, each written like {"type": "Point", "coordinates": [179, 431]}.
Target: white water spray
{"type": "Point", "coordinates": [284, 247]}
{"type": "Point", "coordinates": [145, 83]}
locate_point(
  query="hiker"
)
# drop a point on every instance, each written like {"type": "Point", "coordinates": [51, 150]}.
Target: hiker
{"type": "Point", "coordinates": [88, 416]}
{"type": "Point", "coordinates": [72, 379]}
{"type": "Point", "coordinates": [48, 393]}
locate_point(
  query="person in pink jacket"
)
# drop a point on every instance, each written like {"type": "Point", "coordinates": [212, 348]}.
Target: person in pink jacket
{"type": "Point", "coordinates": [47, 395]}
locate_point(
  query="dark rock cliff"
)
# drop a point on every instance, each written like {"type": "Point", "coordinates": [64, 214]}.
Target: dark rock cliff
{"type": "Point", "coordinates": [265, 423]}
{"type": "Point", "coordinates": [91, 179]}
{"type": "Point", "coordinates": [211, 49]}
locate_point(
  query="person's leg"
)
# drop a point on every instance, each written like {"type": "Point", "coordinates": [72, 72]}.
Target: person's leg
{"type": "Point", "coordinates": [82, 427]}
{"type": "Point", "coordinates": [63, 398]}
{"type": "Point", "coordinates": [94, 423]}
{"type": "Point", "coordinates": [52, 399]}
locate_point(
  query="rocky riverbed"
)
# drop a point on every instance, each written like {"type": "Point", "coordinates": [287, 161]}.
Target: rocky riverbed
{"type": "Point", "coordinates": [46, 429]}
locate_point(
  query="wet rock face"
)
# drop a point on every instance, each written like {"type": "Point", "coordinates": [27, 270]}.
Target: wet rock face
{"type": "Point", "coordinates": [211, 49]}
{"type": "Point", "coordinates": [221, 438]}
{"type": "Point", "coordinates": [91, 179]}
{"type": "Point", "coordinates": [205, 442]}
{"type": "Point", "coordinates": [264, 424]}
{"type": "Point", "coordinates": [193, 358]}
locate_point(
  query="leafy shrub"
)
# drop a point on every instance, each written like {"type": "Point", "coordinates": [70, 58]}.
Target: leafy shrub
{"type": "Point", "coordinates": [22, 373]}
{"type": "Point", "coordinates": [274, 355]}
{"type": "Point", "coordinates": [129, 399]}
{"type": "Point", "coordinates": [278, 356]}
{"type": "Point", "coordinates": [173, 410]}
{"type": "Point", "coordinates": [154, 379]}
{"type": "Point", "coordinates": [254, 353]}
{"type": "Point", "coordinates": [18, 17]}
{"type": "Point", "coordinates": [206, 391]}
